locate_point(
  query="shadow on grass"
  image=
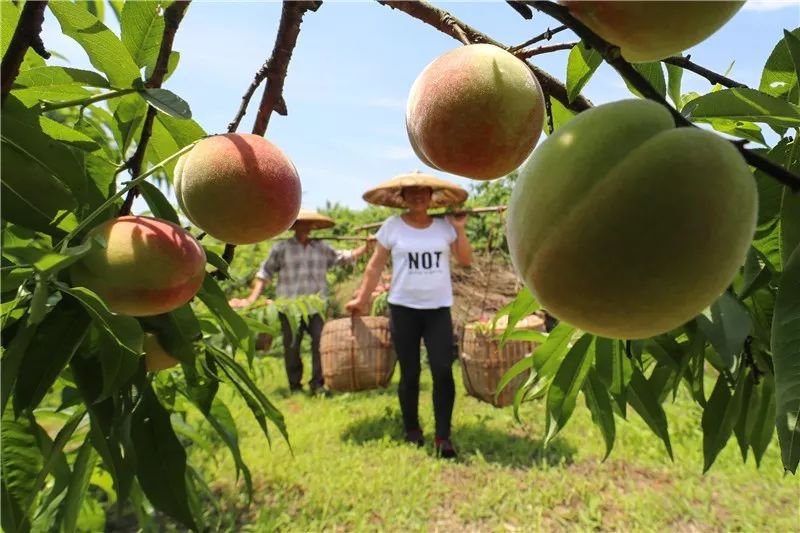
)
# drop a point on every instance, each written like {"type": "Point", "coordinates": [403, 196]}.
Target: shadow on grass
{"type": "Point", "coordinates": [474, 442]}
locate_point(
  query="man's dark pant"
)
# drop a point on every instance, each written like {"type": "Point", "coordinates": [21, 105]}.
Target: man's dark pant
{"type": "Point", "coordinates": [291, 350]}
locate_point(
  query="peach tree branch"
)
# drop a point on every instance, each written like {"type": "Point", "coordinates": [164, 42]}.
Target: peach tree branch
{"type": "Point", "coordinates": [546, 49]}
{"type": "Point", "coordinates": [444, 22]}
{"type": "Point", "coordinates": [544, 36]}
{"type": "Point", "coordinates": [710, 75]}
{"type": "Point", "coordinates": [172, 19]}
{"type": "Point", "coordinates": [26, 35]}
{"type": "Point", "coordinates": [611, 54]}
{"type": "Point", "coordinates": [274, 71]}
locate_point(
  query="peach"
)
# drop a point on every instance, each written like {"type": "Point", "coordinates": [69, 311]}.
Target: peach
{"type": "Point", "coordinates": [238, 188]}
{"type": "Point", "coordinates": [627, 227]}
{"type": "Point", "coordinates": [476, 111]}
{"type": "Point", "coordinates": [156, 357]}
{"type": "Point", "coordinates": [651, 31]}
{"type": "Point", "coordinates": [148, 266]}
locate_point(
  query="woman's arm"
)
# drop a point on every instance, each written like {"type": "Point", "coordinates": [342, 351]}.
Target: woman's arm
{"type": "Point", "coordinates": [360, 304]}
{"type": "Point", "coordinates": [461, 248]}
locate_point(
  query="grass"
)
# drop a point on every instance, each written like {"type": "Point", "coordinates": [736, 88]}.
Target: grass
{"type": "Point", "coordinates": [350, 470]}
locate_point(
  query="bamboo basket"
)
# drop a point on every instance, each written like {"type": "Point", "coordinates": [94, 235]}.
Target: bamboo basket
{"type": "Point", "coordinates": [483, 363]}
{"type": "Point", "coordinates": [357, 354]}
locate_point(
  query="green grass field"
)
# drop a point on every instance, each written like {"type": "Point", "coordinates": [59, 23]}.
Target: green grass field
{"type": "Point", "coordinates": [350, 471]}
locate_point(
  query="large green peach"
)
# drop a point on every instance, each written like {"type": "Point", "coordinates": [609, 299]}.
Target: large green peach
{"type": "Point", "coordinates": [148, 266]}
{"type": "Point", "coordinates": [156, 358]}
{"type": "Point", "coordinates": [238, 188]}
{"type": "Point", "coordinates": [627, 227]}
{"type": "Point", "coordinates": [651, 31]}
{"type": "Point", "coordinates": [476, 111]}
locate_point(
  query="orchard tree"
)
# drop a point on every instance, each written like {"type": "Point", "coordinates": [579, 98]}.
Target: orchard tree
{"type": "Point", "coordinates": [97, 303]}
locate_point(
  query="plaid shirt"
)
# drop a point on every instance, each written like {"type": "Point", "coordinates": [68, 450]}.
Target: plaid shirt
{"type": "Point", "coordinates": [301, 269]}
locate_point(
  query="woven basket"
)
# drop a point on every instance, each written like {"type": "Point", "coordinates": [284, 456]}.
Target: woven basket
{"type": "Point", "coordinates": [483, 363]}
{"type": "Point", "coordinates": [358, 354]}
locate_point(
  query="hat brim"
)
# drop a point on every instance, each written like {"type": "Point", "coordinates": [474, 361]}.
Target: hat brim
{"type": "Point", "coordinates": [390, 193]}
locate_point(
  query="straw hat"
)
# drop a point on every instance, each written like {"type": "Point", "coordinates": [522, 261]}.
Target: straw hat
{"type": "Point", "coordinates": [389, 193]}
{"type": "Point", "coordinates": [316, 220]}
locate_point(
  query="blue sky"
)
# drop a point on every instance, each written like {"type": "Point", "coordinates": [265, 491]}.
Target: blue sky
{"type": "Point", "coordinates": [354, 65]}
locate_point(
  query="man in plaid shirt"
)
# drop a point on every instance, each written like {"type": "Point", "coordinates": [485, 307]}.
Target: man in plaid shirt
{"type": "Point", "coordinates": [301, 264]}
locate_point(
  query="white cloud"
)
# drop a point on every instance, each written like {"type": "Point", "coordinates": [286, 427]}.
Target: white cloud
{"type": "Point", "coordinates": [770, 5]}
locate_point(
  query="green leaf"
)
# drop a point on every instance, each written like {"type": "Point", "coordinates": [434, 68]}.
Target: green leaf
{"type": "Point", "coordinates": [567, 383]}
{"type": "Point", "coordinates": [613, 369]}
{"type": "Point", "coordinates": [55, 461]}
{"type": "Point", "coordinates": [764, 416]}
{"type": "Point", "coordinates": [581, 65]}
{"type": "Point", "coordinates": [142, 28]}
{"type": "Point", "coordinates": [654, 74]}
{"type": "Point", "coordinates": [521, 366]}
{"type": "Point", "coordinates": [157, 202]}
{"type": "Point", "coordinates": [167, 102]}
{"type": "Point", "coordinates": [746, 105]}
{"type": "Point", "coordinates": [78, 486]}
{"type": "Point", "coordinates": [520, 307]}
{"type": "Point", "coordinates": [21, 462]}
{"type": "Point", "coordinates": [217, 261]}
{"type": "Point", "coordinates": [645, 403]}
{"type": "Point", "coordinates": [719, 417]}
{"type": "Point", "coordinates": [790, 224]}
{"type": "Point", "coordinates": [49, 261]}
{"type": "Point", "coordinates": [12, 359]}
{"type": "Point", "coordinates": [561, 115]}
{"type": "Point", "coordinates": [779, 77]}
{"type": "Point", "coordinates": [598, 403]}
{"type": "Point", "coordinates": [527, 335]}
{"type": "Point", "coordinates": [737, 128]}
{"type": "Point", "coordinates": [129, 112]}
{"type": "Point", "coordinates": [232, 324]}
{"type": "Point", "coordinates": [674, 78]}
{"type": "Point", "coordinates": [50, 350]}
{"type": "Point", "coordinates": [744, 425]}
{"type": "Point", "coordinates": [56, 84]}
{"type": "Point", "coordinates": [95, 7]}
{"type": "Point", "coordinates": [785, 349]}
{"type": "Point", "coordinates": [106, 52]}
{"type": "Point", "coordinates": [9, 17]}
{"type": "Point", "coordinates": [726, 324]}
{"type": "Point", "coordinates": [116, 7]}
{"type": "Point", "coordinates": [177, 331]}
{"type": "Point", "coordinates": [161, 470]}
{"type": "Point", "coordinates": [123, 330]}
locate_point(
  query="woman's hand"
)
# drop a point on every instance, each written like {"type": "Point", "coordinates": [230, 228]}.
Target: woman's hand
{"type": "Point", "coordinates": [459, 222]}
{"type": "Point", "coordinates": [357, 306]}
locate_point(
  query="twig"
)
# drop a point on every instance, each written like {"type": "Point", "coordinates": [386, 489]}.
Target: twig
{"type": "Point", "coordinates": [26, 35]}
{"type": "Point", "coordinates": [544, 36]}
{"type": "Point", "coordinates": [438, 18]}
{"type": "Point", "coordinates": [278, 63]}
{"type": "Point", "coordinates": [548, 109]}
{"type": "Point", "coordinates": [274, 71]}
{"type": "Point", "coordinates": [611, 54]}
{"type": "Point", "coordinates": [710, 75]}
{"type": "Point", "coordinates": [525, 54]}
{"type": "Point", "coordinates": [172, 19]}
{"type": "Point", "coordinates": [521, 8]}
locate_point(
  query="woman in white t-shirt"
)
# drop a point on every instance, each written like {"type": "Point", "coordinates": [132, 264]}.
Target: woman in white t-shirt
{"type": "Point", "coordinates": [421, 292]}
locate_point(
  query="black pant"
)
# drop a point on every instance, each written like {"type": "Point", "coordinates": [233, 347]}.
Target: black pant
{"type": "Point", "coordinates": [291, 350]}
{"type": "Point", "coordinates": [435, 327]}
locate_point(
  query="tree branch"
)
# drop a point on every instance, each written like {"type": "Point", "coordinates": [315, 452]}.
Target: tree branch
{"type": "Point", "coordinates": [525, 54]}
{"type": "Point", "coordinates": [611, 54]}
{"type": "Point", "coordinates": [439, 19]}
{"type": "Point", "coordinates": [172, 19]}
{"type": "Point", "coordinates": [710, 75]}
{"type": "Point", "coordinates": [26, 35]}
{"type": "Point", "coordinates": [545, 36]}
{"type": "Point", "coordinates": [278, 63]}
{"type": "Point", "coordinates": [274, 71]}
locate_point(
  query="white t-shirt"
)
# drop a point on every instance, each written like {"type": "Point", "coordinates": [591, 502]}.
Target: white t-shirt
{"type": "Point", "coordinates": [420, 262]}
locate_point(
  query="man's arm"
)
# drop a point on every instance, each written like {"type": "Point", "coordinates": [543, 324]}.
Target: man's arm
{"type": "Point", "coordinates": [259, 285]}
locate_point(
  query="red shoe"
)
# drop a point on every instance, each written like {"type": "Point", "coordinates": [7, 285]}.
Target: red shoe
{"type": "Point", "coordinates": [414, 436]}
{"type": "Point", "coordinates": [444, 448]}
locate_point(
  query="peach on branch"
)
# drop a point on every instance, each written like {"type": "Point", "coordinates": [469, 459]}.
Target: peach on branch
{"type": "Point", "coordinates": [627, 227]}
{"type": "Point", "coordinates": [148, 266]}
{"type": "Point", "coordinates": [156, 357]}
{"type": "Point", "coordinates": [651, 31]}
{"type": "Point", "coordinates": [238, 188]}
{"type": "Point", "coordinates": [476, 111]}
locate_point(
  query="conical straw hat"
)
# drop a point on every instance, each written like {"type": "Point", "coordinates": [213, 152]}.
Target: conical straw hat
{"type": "Point", "coordinates": [316, 220]}
{"type": "Point", "coordinates": [389, 193]}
